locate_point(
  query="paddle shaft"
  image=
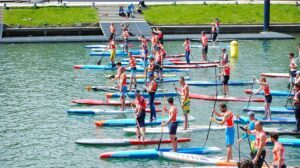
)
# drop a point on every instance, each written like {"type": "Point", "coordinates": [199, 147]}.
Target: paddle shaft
{"type": "Point", "coordinates": [251, 148]}
{"type": "Point", "coordinates": [288, 98]}
{"type": "Point", "coordinates": [239, 146]}
{"type": "Point", "coordinates": [212, 113]}
{"type": "Point", "coordinates": [162, 128]}
{"type": "Point", "coordinates": [251, 92]}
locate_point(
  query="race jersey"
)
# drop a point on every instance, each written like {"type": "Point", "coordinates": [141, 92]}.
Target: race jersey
{"type": "Point", "coordinates": [227, 70]}
{"type": "Point", "coordinates": [152, 86]}
{"type": "Point", "coordinates": [112, 45]}
{"type": "Point", "coordinates": [229, 120]}
{"type": "Point", "coordinates": [266, 89]}
{"type": "Point", "coordinates": [140, 103]}
{"type": "Point", "coordinates": [160, 35]}
{"type": "Point", "coordinates": [132, 62]}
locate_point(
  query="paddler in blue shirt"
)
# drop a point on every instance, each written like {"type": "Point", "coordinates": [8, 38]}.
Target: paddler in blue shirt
{"type": "Point", "coordinates": [250, 124]}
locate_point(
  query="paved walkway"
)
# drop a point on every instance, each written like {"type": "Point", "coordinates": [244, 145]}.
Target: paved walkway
{"type": "Point", "coordinates": [110, 14]}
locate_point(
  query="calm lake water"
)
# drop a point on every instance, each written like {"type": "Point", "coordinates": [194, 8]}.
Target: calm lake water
{"type": "Point", "coordinates": [38, 81]}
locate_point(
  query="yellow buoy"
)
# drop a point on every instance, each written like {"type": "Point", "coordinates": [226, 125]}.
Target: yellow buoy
{"type": "Point", "coordinates": [234, 49]}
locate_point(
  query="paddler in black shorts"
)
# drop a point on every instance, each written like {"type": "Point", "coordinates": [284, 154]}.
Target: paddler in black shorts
{"type": "Point", "coordinates": [172, 122]}
{"type": "Point", "coordinates": [226, 74]}
{"type": "Point", "coordinates": [140, 114]}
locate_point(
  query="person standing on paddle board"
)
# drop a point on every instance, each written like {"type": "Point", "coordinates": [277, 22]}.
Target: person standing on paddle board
{"type": "Point", "coordinates": [125, 36]}
{"type": "Point", "coordinates": [144, 47]}
{"type": "Point", "coordinates": [258, 154]}
{"type": "Point", "coordinates": [293, 69]}
{"type": "Point", "coordinates": [224, 58]}
{"type": "Point", "coordinates": [112, 47]}
{"type": "Point", "coordinates": [185, 100]}
{"type": "Point", "coordinates": [297, 107]}
{"type": "Point", "coordinates": [140, 114]}
{"type": "Point", "coordinates": [268, 97]}
{"type": "Point", "coordinates": [123, 88]}
{"type": "Point", "coordinates": [214, 32]}
{"type": "Point", "coordinates": [172, 122]}
{"type": "Point", "coordinates": [151, 88]}
{"type": "Point", "coordinates": [160, 35]}
{"type": "Point", "coordinates": [112, 30]}
{"type": "Point", "coordinates": [132, 65]}
{"type": "Point", "coordinates": [278, 151]}
{"type": "Point", "coordinates": [151, 67]}
{"type": "Point", "coordinates": [158, 63]}
{"type": "Point", "coordinates": [229, 131]}
{"type": "Point", "coordinates": [154, 40]}
{"type": "Point", "coordinates": [187, 48]}
{"type": "Point", "coordinates": [204, 42]}
{"type": "Point", "coordinates": [226, 75]}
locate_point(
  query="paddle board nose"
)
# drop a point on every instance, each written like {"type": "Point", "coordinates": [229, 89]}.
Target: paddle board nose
{"type": "Point", "coordinates": [76, 66]}
{"type": "Point", "coordinates": [106, 155]}
{"type": "Point", "coordinates": [100, 123]}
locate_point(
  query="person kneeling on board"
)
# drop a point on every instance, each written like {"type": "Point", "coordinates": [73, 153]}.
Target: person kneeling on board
{"type": "Point", "coordinates": [229, 131]}
{"type": "Point", "coordinates": [172, 122]}
{"type": "Point", "coordinates": [278, 151]}
{"type": "Point", "coordinates": [140, 114]}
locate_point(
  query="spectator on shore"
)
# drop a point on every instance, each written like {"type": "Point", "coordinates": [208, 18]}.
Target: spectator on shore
{"type": "Point", "coordinates": [121, 12]}
{"type": "Point", "coordinates": [142, 4]}
{"type": "Point", "coordinates": [130, 11]}
{"type": "Point", "coordinates": [139, 10]}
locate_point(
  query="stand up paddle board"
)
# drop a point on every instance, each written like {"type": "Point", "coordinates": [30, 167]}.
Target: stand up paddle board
{"type": "Point", "coordinates": [285, 141]}
{"type": "Point", "coordinates": [275, 120]}
{"type": "Point", "coordinates": [154, 153]}
{"type": "Point", "coordinates": [109, 67]}
{"type": "Point", "coordinates": [118, 53]}
{"type": "Point", "coordinates": [180, 130]}
{"type": "Point", "coordinates": [132, 122]}
{"type": "Point", "coordinates": [213, 83]}
{"type": "Point", "coordinates": [146, 95]}
{"type": "Point", "coordinates": [104, 111]}
{"type": "Point", "coordinates": [281, 131]}
{"type": "Point", "coordinates": [273, 92]}
{"type": "Point", "coordinates": [180, 62]}
{"type": "Point", "coordinates": [274, 110]}
{"type": "Point", "coordinates": [107, 103]}
{"type": "Point", "coordinates": [105, 46]}
{"type": "Point", "coordinates": [275, 75]}
{"type": "Point", "coordinates": [189, 66]}
{"type": "Point", "coordinates": [127, 142]}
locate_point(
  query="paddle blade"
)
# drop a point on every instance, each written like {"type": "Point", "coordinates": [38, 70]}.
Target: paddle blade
{"type": "Point", "coordinates": [88, 87]}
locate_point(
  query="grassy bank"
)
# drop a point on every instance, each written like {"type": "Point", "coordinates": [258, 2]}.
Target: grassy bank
{"type": "Point", "coordinates": [50, 16]}
{"type": "Point", "coordinates": [228, 14]}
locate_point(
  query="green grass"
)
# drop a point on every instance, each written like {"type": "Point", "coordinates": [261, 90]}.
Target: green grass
{"type": "Point", "coordinates": [50, 16]}
{"type": "Point", "coordinates": [228, 14]}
